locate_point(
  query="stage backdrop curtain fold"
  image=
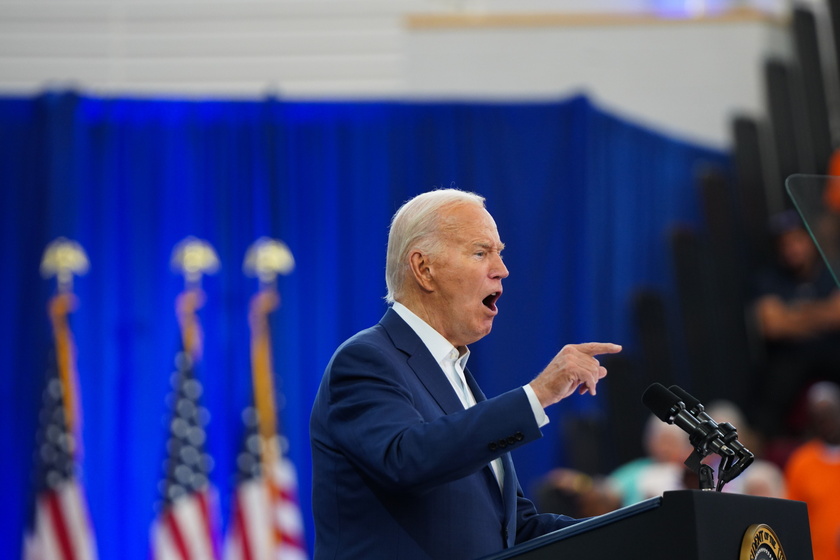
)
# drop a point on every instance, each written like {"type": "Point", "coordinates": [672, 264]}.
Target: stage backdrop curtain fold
{"type": "Point", "coordinates": [583, 200]}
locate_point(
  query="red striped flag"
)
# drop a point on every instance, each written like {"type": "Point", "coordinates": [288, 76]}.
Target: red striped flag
{"type": "Point", "coordinates": [267, 523]}
{"type": "Point", "coordinates": [186, 529]}
{"type": "Point", "coordinates": [266, 520]}
{"type": "Point", "coordinates": [187, 524]}
{"type": "Point", "coordinates": [60, 527]}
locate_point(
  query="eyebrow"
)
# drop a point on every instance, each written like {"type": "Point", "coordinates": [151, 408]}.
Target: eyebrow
{"type": "Point", "coordinates": [490, 246]}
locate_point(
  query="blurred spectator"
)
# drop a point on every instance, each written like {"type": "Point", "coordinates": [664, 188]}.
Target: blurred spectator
{"type": "Point", "coordinates": [662, 469]}
{"type": "Point", "coordinates": [797, 311]}
{"type": "Point", "coordinates": [722, 410]}
{"type": "Point", "coordinates": [577, 494]}
{"type": "Point", "coordinates": [657, 478]}
{"type": "Point", "coordinates": [813, 471]}
{"type": "Point", "coordinates": [761, 478]}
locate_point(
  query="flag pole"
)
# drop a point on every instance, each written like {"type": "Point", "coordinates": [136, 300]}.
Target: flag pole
{"type": "Point", "coordinates": [262, 304]}
{"type": "Point", "coordinates": [64, 259]}
{"type": "Point", "coordinates": [265, 259]}
{"type": "Point", "coordinates": [187, 525]}
{"type": "Point", "coordinates": [193, 258]}
{"type": "Point", "coordinates": [61, 520]}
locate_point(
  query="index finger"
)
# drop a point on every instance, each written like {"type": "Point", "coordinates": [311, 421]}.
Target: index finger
{"type": "Point", "coordinates": [595, 348]}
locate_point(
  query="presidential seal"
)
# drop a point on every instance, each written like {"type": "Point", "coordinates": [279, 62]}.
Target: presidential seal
{"type": "Point", "coordinates": [761, 543]}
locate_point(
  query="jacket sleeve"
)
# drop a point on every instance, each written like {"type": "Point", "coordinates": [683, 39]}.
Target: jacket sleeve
{"type": "Point", "coordinates": [381, 418]}
{"type": "Point", "coordinates": [531, 524]}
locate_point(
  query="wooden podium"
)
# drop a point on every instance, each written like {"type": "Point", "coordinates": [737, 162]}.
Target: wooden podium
{"type": "Point", "coordinates": [684, 525]}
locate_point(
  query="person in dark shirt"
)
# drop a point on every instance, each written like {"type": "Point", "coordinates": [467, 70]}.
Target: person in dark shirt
{"type": "Point", "coordinates": [797, 311]}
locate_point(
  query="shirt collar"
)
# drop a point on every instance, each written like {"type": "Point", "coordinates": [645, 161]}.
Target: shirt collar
{"type": "Point", "coordinates": [440, 348]}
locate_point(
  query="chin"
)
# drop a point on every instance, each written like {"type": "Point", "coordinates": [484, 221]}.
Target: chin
{"type": "Point", "coordinates": [484, 332]}
{"type": "Point", "coordinates": [475, 337]}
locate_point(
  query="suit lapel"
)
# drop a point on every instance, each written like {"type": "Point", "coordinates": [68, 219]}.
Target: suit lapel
{"type": "Point", "coordinates": [421, 362]}
{"type": "Point", "coordinates": [432, 377]}
{"type": "Point", "coordinates": [476, 390]}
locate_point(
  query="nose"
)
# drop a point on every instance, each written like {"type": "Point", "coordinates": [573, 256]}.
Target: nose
{"type": "Point", "coordinates": [499, 269]}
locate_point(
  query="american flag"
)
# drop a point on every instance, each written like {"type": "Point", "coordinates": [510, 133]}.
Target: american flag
{"type": "Point", "coordinates": [60, 528]}
{"type": "Point", "coordinates": [266, 521]}
{"type": "Point", "coordinates": [186, 526]}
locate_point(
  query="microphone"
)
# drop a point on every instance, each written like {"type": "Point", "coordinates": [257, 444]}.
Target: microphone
{"type": "Point", "coordinates": [698, 410]}
{"type": "Point", "coordinates": [703, 435]}
{"type": "Point", "coordinates": [728, 433]}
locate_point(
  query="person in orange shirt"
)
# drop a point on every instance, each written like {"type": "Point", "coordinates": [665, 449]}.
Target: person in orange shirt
{"type": "Point", "coordinates": [813, 471]}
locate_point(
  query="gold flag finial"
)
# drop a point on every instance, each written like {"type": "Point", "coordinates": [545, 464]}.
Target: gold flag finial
{"type": "Point", "coordinates": [194, 257]}
{"type": "Point", "coordinates": [266, 258]}
{"type": "Point", "coordinates": [64, 258]}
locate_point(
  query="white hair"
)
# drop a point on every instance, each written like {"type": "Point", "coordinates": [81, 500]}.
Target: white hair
{"type": "Point", "coordinates": [823, 391]}
{"type": "Point", "coordinates": [763, 478]}
{"type": "Point", "coordinates": [723, 410]}
{"type": "Point", "coordinates": [418, 224]}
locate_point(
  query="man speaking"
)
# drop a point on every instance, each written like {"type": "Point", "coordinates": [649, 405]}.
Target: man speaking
{"type": "Point", "coordinates": [410, 460]}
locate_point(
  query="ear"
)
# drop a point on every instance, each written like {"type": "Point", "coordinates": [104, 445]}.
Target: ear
{"type": "Point", "coordinates": [421, 270]}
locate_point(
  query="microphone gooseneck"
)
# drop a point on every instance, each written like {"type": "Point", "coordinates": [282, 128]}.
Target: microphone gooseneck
{"type": "Point", "coordinates": [676, 406]}
{"type": "Point", "coordinates": [743, 456]}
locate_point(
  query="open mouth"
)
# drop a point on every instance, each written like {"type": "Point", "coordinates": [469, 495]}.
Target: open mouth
{"type": "Point", "coordinates": [490, 301]}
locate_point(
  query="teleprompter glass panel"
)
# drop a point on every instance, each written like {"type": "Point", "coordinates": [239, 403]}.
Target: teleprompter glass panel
{"type": "Point", "coordinates": [817, 198]}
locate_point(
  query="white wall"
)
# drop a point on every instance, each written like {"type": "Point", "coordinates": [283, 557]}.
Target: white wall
{"type": "Point", "coordinates": [686, 76]}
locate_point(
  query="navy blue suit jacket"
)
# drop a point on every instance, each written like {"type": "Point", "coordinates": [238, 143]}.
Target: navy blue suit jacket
{"type": "Point", "coordinates": [401, 470]}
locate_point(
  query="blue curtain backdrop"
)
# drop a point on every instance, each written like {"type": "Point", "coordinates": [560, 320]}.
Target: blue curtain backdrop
{"type": "Point", "coordinates": [582, 199]}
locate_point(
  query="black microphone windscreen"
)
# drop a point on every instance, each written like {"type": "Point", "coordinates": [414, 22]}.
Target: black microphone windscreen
{"type": "Point", "coordinates": [691, 403]}
{"type": "Point", "coordinates": [660, 401]}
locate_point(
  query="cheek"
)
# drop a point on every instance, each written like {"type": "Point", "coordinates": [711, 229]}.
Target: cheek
{"type": "Point", "coordinates": [462, 287]}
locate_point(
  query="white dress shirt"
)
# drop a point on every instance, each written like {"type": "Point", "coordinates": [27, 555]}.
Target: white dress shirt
{"type": "Point", "coordinates": [453, 362]}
